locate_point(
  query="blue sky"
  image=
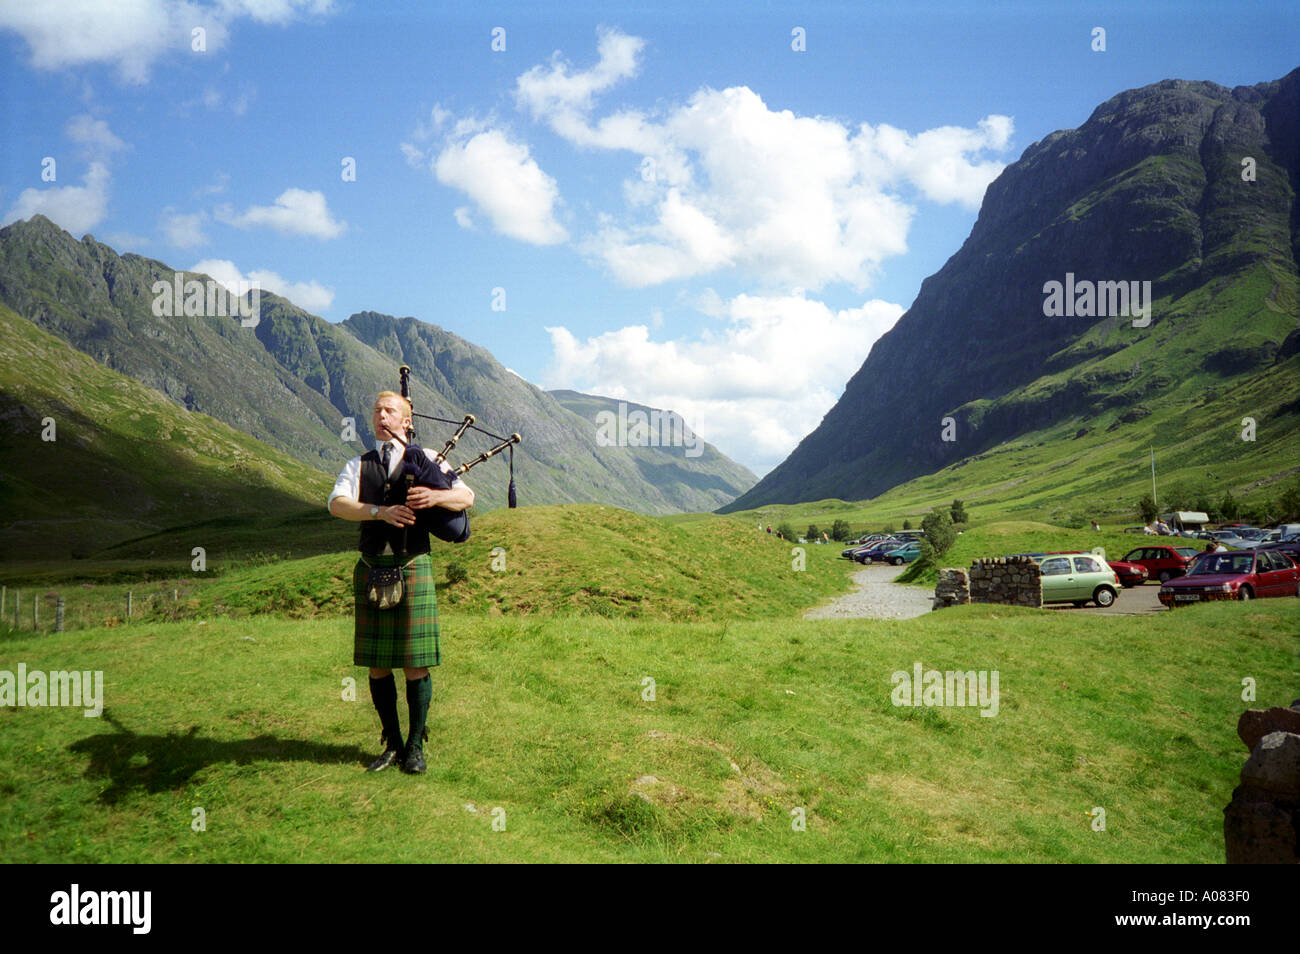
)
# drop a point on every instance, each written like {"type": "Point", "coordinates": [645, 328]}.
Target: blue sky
{"type": "Point", "coordinates": [680, 206]}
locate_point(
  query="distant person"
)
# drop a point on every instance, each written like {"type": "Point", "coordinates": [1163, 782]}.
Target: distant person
{"type": "Point", "coordinates": [825, 539]}
{"type": "Point", "coordinates": [769, 528]}
{"type": "Point", "coordinates": [1149, 530]}
{"type": "Point", "coordinates": [1096, 525]}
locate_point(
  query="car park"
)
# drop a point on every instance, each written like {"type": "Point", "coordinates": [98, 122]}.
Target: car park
{"type": "Point", "coordinates": [1164, 562]}
{"type": "Point", "coordinates": [1239, 575]}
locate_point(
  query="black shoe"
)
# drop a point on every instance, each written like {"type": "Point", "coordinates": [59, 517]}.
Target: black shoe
{"type": "Point", "coordinates": [413, 764]}
{"type": "Point", "coordinates": [390, 756]}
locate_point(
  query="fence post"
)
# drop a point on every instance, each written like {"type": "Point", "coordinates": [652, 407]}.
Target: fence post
{"type": "Point", "coordinates": [58, 615]}
{"type": "Point", "coordinates": [36, 602]}
{"type": "Point", "coordinates": [128, 604]}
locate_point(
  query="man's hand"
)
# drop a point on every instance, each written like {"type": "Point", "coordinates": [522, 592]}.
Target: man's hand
{"type": "Point", "coordinates": [455, 499]}
{"type": "Point", "coordinates": [421, 498]}
{"type": "Point", "coordinates": [398, 515]}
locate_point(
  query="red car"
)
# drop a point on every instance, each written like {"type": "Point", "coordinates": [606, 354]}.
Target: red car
{"type": "Point", "coordinates": [1239, 575]}
{"type": "Point", "coordinates": [1163, 562]}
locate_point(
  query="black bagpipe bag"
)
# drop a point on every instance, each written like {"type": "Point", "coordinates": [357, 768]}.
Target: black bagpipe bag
{"type": "Point", "coordinates": [451, 526]}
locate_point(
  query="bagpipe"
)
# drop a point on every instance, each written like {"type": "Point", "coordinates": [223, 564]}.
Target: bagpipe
{"type": "Point", "coordinates": [419, 469]}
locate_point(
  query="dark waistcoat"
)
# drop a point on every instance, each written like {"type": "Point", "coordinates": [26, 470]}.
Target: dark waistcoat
{"type": "Point", "coordinates": [377, 488]}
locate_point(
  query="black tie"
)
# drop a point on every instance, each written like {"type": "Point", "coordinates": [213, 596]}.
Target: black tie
{"type": "Point", "coordinates": [388, 452]}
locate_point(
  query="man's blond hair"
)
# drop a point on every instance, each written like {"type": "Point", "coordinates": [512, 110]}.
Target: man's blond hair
{"type": "Point", "coordinates": [406, 403]}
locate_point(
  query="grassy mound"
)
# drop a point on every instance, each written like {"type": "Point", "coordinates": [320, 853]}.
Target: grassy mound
{"type": "Point", "coordinates": [583, 559]}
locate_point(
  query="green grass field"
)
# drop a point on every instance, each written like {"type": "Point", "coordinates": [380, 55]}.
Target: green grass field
{"type": "Point", "coordinates": [543, 725]}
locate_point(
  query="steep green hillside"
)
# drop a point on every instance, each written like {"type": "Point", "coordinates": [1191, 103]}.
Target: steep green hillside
{"type": "Point", "coordinates": [125, 462]}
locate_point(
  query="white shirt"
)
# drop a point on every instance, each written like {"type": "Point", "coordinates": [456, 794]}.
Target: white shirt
{"type": "Point", "coordinates": [348, 484]}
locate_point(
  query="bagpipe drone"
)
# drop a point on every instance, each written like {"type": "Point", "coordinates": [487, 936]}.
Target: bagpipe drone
{"type": "Point", "coordinates": [419, 469]}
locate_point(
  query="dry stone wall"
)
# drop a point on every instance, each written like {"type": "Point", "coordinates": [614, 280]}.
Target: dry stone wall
{"type": "Point", "coordinates": [1261, 825]}
{"type": "Point", "coordinates": [1014, 581]}
{"type": "Point", "coordinates": [953, 588]}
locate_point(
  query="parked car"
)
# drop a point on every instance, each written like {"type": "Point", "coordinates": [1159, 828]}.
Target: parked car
{"type": "Point", "coordinates": [1241, 575]}
{"type": "Point", "coordinates": [1290, 547]}
{"type": "Point", "coordinates": [1078, 578]}
{"type": "Point", "coordinates": [1230, 538]}
{"type": "Point", "coordinates": [1130, 574]}
{"type": "Point", "coordinates": [904, 554]}
{"type": "Point", "coordinates": [1163, 562]}
{"type": "Point", "coordinates": [878, 552]}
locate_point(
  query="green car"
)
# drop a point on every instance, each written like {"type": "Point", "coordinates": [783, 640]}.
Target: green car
{"type": "Point", "coordinates": [904, 554]}
{"type": "Point", "coordinates": [1077, 578]}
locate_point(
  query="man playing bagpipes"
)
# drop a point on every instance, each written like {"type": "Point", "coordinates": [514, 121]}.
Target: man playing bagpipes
{"type": "Point", "coordinates": [392, 583]}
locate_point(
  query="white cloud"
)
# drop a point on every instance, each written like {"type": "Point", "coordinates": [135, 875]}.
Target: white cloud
{"type": "Point", "coordinates": [754, 388]}
{"type": "Point", "coordinates": [724, 181]}
{"type": "Point", "coordinates": [309, 296]}
{"type": "Point", "coordinates": [93, 135]}
{"type": "Point", "coordinates": [183, 230]}
{"type": "Point", "coordinates": [562, 96]}
{"type": "Point", "coordinates": [131, 35]}
{"type": "Point", "coordinates": [295, 212]}
{"type": "Point", "coordinates": [504, 181]}
{"type": "Point", "coordinates": [415, 157]}
{"type": "Point", "coordinates": [75, 208]}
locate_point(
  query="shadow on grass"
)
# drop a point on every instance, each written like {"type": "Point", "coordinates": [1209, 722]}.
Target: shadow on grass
{"type": "Point", "coordinates": [156, 763]}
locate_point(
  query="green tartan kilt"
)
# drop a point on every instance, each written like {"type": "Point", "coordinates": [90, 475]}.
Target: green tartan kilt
{"type": "Point", "coordinates": [406, 636]}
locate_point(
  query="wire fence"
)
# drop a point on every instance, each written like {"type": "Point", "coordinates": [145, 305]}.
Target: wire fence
{"type": "Point", "coordinates": [61, 608]}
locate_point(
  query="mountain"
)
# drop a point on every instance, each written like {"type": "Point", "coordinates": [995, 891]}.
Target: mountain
{"type": "Point", "coordinates": [667, 452]}
{"type": "Point", "coordinates": [1189, 186]}
{"type": "Point", "coordinates": [304, 386]}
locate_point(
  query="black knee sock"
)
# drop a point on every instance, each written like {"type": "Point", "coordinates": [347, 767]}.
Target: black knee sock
{"type": "Point", "coordinates": [384, 694]}
{"type": "Point", "coordinates": [418, 694]}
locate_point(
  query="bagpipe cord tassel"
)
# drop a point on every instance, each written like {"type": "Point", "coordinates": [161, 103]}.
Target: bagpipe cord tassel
{"type": "Point", "coordinates": [512, 500]}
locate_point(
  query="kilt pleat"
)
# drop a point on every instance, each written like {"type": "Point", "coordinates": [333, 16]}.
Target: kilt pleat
{"type": "Point", "coordinates": [405, 636]}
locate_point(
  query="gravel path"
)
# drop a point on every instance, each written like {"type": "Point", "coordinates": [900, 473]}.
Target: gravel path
{"type": "Point", "coordinates": [877, 597]}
